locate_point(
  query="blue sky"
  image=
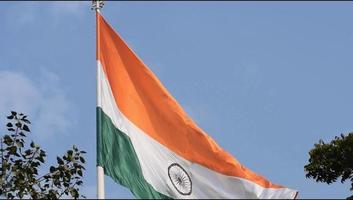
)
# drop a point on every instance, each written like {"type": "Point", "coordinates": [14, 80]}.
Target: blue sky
{"type": "Point", "coordinates": [266, 80]}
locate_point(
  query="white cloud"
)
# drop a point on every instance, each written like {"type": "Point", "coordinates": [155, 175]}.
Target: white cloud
{"type": "Point", "coordinates": [42, 100]}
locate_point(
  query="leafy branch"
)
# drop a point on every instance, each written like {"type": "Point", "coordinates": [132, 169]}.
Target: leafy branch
{"type": "Point", "coordinates": [332, 161]}
{"type": "Point", "coordinates": [20, 163]}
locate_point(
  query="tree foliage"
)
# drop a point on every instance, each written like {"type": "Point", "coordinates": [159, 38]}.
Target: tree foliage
{"type": "Point", "coordinates": [330, 161]}
{"type": "Point", "coordinates": [20, 162]}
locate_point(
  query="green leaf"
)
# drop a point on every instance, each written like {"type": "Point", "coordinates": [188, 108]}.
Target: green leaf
{"type": "Point", "coordinates": [11, 129]}
{"type": "Point", "coordinates": [80, 172]}
{"type": "Point", "coordinates": [41, 159]}
{"type": "Point", "coordinates": [18, 124]}
{"type": "Point", "coordinates": [82, 160]}
{"type": "Point", "coordinates": [8, 140]}
{"type": "Point", "coordinates": [60, 161]}
{"type": "Point", "coordinates": [28, 152]}
{"type": "Point", "coordinates": [26, 121]}
{"type": "Point", "coordinates": [19, 144]}
{"type": "Point", "coordinates": [69, 157]}
{"type": "Point", "coordinates": [10, 196]}
{"type": "Point", "coordinates": [10, 117]}
{"type": "Point", "coordinates": [42, 153]}
{"type": "Point", "coordinates": [52, 169]}
{"type": "Point", "coordinates": [74, 193]}
{"type": "Point", "coordinates": [13, 149]}
{"type": "Point", "coordinates": [25, 128]}
{"type": "Point", "coordinates": [13, 113]}
{"type": "Point", "coordinates": [9, 124]}
{"type": "Point", "coordinates": [32, 144]}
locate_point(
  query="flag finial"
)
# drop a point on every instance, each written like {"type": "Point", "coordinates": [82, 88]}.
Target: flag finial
{"type": "Point", "coordinates": [97, 5]}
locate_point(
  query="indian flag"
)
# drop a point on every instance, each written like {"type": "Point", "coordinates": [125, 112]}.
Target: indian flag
{"type": "Point", "coordinates": [146, 141]}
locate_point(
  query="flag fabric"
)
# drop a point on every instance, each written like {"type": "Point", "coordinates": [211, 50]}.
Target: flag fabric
{"type": "Point", "coordinates": [146, 142]}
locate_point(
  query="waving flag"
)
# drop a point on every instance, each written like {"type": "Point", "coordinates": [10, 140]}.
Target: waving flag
{"type": "Point", "coordinates": [146, 142]}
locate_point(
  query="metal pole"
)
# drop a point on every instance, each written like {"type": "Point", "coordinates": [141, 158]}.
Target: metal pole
{"type": "Point", "coordinates": [100, 183]}
{"type": "Point", "coordinates": [97, 5]}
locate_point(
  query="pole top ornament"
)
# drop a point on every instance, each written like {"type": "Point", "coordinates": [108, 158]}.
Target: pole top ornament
{"type": "Point", "coordinates": [97, 5]}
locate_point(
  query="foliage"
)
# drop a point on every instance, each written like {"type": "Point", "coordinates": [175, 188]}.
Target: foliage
{"type": "Point", "coordinates": [331, 161]}
{"type": "Point", "coordinates": [20, 162]}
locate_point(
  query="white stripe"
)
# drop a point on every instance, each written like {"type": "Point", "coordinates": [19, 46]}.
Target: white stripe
{"type": "Point", "coordinates": [155, 159]}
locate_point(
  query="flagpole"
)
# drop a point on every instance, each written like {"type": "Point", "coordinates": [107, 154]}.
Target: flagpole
{"type": "Point", "coordinates": [97, 5]}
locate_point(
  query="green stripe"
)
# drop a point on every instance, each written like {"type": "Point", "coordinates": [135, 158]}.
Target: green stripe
{"type": "Point", "coordinates": [116, 154]}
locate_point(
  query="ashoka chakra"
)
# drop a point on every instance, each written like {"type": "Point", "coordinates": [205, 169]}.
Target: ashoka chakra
{"type": "Point", "coordinates": [180, 179]}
